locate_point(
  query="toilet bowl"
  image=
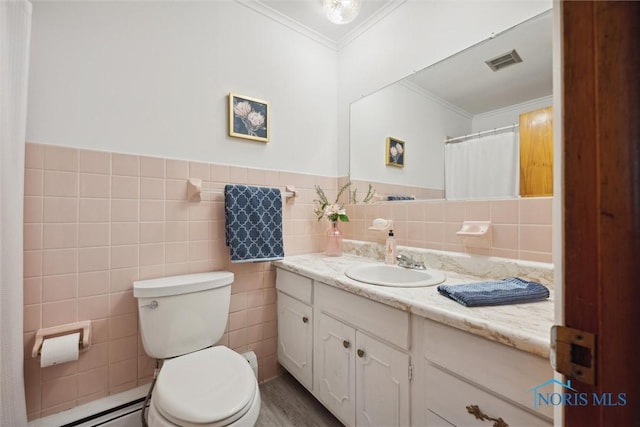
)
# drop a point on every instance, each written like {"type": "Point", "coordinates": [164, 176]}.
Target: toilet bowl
{"type": "Point", "coordinates": [201, 385]}
{"type": "Point", "coordinates": [249, 419]}
{"type": "Point", "coordinates": [210, 387]}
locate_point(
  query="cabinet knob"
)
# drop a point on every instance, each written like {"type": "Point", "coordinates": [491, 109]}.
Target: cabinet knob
{"type": "Point", "coordinates": [477, 412]}
{"type": "Point", "coordinates": [360, 352]}
{"type": "Point", "coordinates": [305, 319]}
{"type": "Point", "coordinates": [346, 344]}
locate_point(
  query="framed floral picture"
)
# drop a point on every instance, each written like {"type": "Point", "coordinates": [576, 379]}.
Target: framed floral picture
{"type": "Point", "coordinates": [395, 153]}
{"type": "Point", "coordinates": [248, 118]}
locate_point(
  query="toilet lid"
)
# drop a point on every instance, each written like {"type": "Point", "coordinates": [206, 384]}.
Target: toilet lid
{"type": "Point", "coordinates": [205, 387]}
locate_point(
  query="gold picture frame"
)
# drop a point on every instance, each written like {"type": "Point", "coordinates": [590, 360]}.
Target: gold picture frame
{"type": "Point", "coordinates": [248, 118]}
{"type": "Point", "coordinates": [395, 153]}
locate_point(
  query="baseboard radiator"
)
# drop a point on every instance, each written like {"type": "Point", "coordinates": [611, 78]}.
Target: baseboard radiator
{"type": "Point", "coordinates": [119, 410]}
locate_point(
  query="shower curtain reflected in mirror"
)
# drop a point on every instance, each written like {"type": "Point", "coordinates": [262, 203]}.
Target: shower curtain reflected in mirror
{"type": "Point", "coordinates": [483, 167]}
{"type": "Point", "coordinates": [15, 30]}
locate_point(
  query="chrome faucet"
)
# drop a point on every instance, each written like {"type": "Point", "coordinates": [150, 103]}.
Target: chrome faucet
{"type": "Point", "coordinates": [408, 262]}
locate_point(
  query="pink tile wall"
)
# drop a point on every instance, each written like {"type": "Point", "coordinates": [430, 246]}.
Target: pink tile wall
{"type": "Point", "coordinates": [96, 221]}
{"type": "Point", "coordinates": [521, 227]}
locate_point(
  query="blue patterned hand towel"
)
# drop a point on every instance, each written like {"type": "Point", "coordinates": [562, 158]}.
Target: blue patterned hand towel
{"type": "Point", "coordinates": [253, 223]}
{"type": "Point", "coordinates": [511, 290]}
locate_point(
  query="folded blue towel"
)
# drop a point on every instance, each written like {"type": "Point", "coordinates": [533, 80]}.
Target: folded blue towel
{"type": "Point", "coordinates": [253, 223]}
{"type": "Point", "coordinates": [511, 290]}
{"type": "Point", "coordinates": [397, 197]}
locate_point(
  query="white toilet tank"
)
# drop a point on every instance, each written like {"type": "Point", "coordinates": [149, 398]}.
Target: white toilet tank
{"type": "Point", "coordinates": [182, 314]}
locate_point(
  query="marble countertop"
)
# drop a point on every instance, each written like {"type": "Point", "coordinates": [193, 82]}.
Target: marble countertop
{"type": "Point", "coordinates": [522, 326]}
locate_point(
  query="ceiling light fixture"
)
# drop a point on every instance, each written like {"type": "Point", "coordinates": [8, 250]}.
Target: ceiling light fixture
{"type": "Point", "coordinates": [341, 11]}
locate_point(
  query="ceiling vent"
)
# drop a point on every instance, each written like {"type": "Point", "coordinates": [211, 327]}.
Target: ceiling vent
{"type": "Point", "coordinates": [504, 60]}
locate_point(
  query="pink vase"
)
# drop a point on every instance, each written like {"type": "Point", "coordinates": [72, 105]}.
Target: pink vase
{"type": "Point", "coordinates": [334, 240]}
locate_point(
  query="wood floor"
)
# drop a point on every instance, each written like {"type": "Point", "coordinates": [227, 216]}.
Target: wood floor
{"type": "Point", "coordinates": [286, 403]}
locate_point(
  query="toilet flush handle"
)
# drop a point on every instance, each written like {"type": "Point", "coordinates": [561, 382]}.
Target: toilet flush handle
{"type": "Point", "coordinates": [153, 304]}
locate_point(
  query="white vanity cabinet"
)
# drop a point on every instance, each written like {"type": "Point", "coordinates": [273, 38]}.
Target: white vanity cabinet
{"type": "Point", "coordinates": [295, 326]}
{"type": "Point", "coordinates": [372, 364]}
{"type": "Point", "coordinates": [359, 375]}
{"type": "Point", "coordinates": [362, 380]}
{"type": "Point", "coordinates": [350, 352]}
{"type": "Point", "coordinates": [460, 371]}
{"type": "Point", "coordinates": [335, 367]}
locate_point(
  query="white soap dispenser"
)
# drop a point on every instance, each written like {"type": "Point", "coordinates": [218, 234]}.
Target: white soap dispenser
{"type": "Point", "coordinates": [390, 249]}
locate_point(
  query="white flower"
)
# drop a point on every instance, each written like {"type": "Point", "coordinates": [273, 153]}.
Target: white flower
{"type": "Point", "coordinates": [256, 119]}
{"type": "Point", "coordinates": [334, 209]}
{"type": "Point", "coordinates": [242, 108]}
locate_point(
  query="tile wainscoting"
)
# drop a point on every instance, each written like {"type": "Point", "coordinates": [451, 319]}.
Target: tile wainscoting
{"type": "Point", "coordinates": [95, 221]}
{"type": "Point", "coordinates": [521, 228]}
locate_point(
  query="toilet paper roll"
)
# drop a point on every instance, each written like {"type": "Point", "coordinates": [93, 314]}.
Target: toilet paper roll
{"type": "Point", "coordinates": [59, 350]}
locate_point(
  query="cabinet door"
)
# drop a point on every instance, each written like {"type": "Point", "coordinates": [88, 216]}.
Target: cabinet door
{"type": "Point", "coordinates": [382, 384]}
{"type": "Point", "coordinates": [295, 338]}
{"type": "Point", "coordinates": [536, 153]}
{"type": "Point", "coordinates": [334, 368]}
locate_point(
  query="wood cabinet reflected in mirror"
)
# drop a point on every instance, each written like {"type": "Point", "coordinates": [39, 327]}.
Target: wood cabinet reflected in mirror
{"type": "Point", "coordinates": [536, 153]}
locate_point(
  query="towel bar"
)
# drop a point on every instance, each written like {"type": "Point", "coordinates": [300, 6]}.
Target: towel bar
{"type": "Point", "coordinates": [195, 189]}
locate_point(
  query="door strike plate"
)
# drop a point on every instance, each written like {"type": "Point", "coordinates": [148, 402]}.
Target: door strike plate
{"type": "Point", "coordinates": [573, 353]}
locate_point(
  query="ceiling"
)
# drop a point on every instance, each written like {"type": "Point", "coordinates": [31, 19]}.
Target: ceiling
{"type": "Point", "coordinates": [309, 13]}
{"type": "Point", "coordinates": [464, 79]}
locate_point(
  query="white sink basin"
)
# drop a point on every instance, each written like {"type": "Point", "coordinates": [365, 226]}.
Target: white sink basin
{"type": "Point", "coordinates": [392, 275]}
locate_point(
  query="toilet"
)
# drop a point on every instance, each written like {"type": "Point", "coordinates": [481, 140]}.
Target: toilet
{"type": "Point", "coordinates": [181, 318]}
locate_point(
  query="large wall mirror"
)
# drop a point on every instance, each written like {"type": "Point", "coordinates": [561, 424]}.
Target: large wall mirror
{"type": "Point", "coordinates": [457, 98]}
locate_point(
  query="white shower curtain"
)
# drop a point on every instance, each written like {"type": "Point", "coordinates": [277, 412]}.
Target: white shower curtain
{"type": "Point", "coordinates": [483, 167]}
{"type": "Point", "coordinates": [15, 31]}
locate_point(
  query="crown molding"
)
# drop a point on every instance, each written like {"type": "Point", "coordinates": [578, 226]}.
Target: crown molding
{"type": "Point", "coordinates": [372, 20]}
{"type": "Point", "coordinates": [431, 96]}
{"type": "Point", "coordinates": [516, 107]}
{"type": "Point", "coordinates": [267, 11]}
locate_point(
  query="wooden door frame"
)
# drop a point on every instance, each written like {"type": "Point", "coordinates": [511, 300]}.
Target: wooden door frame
{"type": "Point", "coordinates": [601, 192]}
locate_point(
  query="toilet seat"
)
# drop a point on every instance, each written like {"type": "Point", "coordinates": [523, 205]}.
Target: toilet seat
{"type": "Point", "coordinates": [211, 387]}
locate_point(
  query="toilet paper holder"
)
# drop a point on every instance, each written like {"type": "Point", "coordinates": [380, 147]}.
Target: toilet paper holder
{"type": "Point", "coordinates": [84, 328]}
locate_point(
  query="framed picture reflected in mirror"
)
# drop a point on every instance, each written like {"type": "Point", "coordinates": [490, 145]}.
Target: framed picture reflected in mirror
{"type": "Point", "coordinates": [395, 152]}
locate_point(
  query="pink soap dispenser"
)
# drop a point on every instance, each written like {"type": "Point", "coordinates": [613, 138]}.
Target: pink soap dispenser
{"type": "Point", "coordinates": [390, 249]}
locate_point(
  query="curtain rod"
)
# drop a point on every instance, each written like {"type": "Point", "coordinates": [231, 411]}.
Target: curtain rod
{"type": "Point", "coordinates": [474, 135]}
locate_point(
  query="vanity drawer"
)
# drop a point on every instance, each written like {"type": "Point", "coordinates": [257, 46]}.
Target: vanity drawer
{"type": "Point", "coordinates": [294, 285]}
{"type": "Point", "coordinates": [450, 398]}
{"type": "Point", "coordinates": [504, 370]}
{"type": "Point", "coordinates": [383, 321]}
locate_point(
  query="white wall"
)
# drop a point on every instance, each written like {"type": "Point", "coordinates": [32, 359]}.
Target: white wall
{"type": "Point", "coordinates": [153, 77]}
{"type": "Point", "coordinates": [508, 115]}
{"type": "Point", "coordinates": [406, 113]}
{"type": "Point", "coordinates": [423, 122]}
{"type": "Point", "coordinates": [415, 35]}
